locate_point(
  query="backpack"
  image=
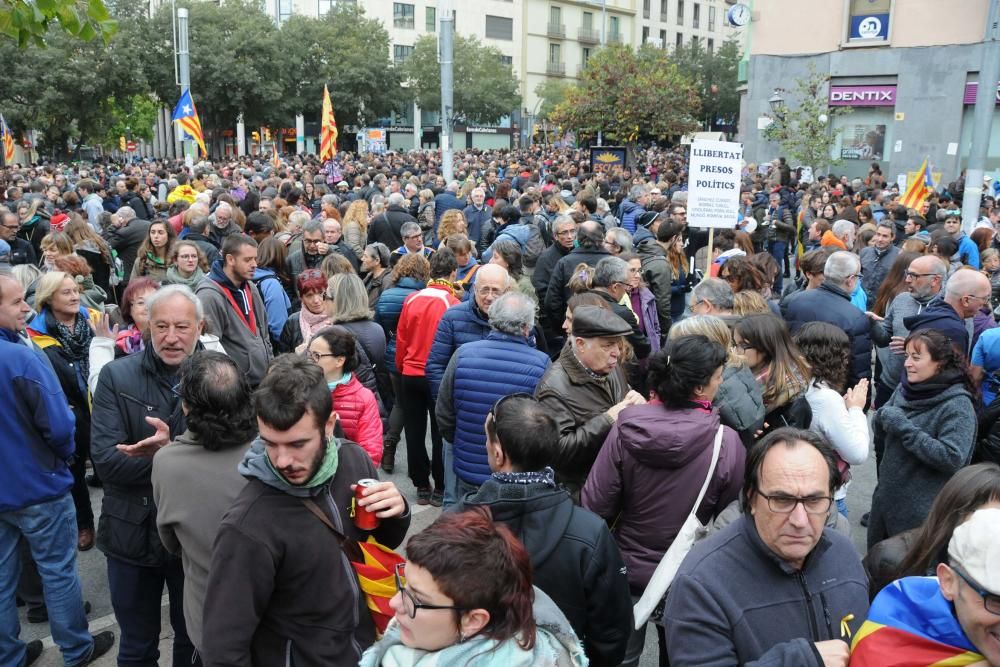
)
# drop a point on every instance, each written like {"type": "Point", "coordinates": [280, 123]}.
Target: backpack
{"type": "Point", "coordinates": [796, 413]}
{"type": "Point", "coordinates": [117, 275]}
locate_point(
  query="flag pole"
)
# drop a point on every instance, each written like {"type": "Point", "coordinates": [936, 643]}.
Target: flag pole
{"type": "Point", "coordinates": [184, 74]}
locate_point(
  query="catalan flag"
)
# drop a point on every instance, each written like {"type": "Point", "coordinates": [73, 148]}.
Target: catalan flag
{"type": "Point", "coordinates": [921, 188]}
{"type": "Point", "coordinates": [328, 129]}
{"type": "Point", "coordinates": [275, 160]}
{"type": "Point", "coordinates": [911, 624]}
{"type": "Point", "coordinates": [186, 116]}
{"type": "Point", "coordinates": [377, 580]}
{"type": "Point", "coordinates": [8, 141]}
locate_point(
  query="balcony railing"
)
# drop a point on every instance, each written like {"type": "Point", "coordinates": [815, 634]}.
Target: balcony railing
{"type": "Point", "coordinates": [556, 30]}
{"type": "Point", "coordinates": [555, 69]}
{"type": "Point", "coordinates": [614, 38]}
{"type": "Point", "coordinates": [588, 36]}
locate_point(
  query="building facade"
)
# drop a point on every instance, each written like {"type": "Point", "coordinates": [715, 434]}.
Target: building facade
{"type": "Point", "coordinates": [907, 68]}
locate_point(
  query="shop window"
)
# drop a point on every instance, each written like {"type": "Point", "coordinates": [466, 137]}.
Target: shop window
{"type": "Point", "coordinates": [868, 21]}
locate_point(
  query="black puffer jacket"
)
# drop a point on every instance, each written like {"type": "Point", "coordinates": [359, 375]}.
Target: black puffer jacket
{"type": "Point", "coordinates": [573, 558]}
{"type": "Point", "coordinates": [557, 295]}
{"type": "Point", "coordinates": [129, 390]}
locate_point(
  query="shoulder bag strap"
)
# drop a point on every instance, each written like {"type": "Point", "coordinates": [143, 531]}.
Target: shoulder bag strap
{"type": "Point", "coordinates": [314, 508]}
{"type": "Point", "coordinates": [716, 448]}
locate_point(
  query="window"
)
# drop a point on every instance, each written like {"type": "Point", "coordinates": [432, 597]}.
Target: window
{"type": "Point", "coordinates": [555, 53]}
{"type": "Point", "coordinates": [696, 17]}
{"type": "Point", "coordinates": [402, 15]}
{"type": "Point", "coordinates": [645, 9]}
{"type": "Point", "coordinates": [588, 20]}
{"type": "Point", "coordinates": [869, 21]}
{"type": "Point", "coordinates": [679, 41]}
{"type": "Point", "coordinates": [499, 27]}
{"type": "Point", "coordinates": [711, 45]}
{"type": "Point", "coordinates": [400, 53]}
{"type": "Point", "coordinates": [663, 39]}
{"type": "Point", "coordinates": [431, 19]}
{"type": "Point", "coordinates": [284, 10]}
{"type": "Point", "coordinates": [645, 34]}
{"type": "Point", "coordinates": [663, 12]}
{"type": "Point", "coordinates": [680, 12]}
{"type": "Point", "coordinates": [324, 7]}
{"type": "Point", "coordinates": [555, 15]}
{"type": "Point", "coordinates": [507, 60]}
{"type": "Point", "coordinates": [711, 18]}
{"type": "Point", "coordinates": [694, 41]}
{"type": "Point", "coordinates": [613, 30]}
{"type": "Point", "coordinates": [585, 55]}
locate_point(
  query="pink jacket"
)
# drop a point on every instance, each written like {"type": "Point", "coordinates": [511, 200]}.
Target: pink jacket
{"type": "Point", "coordinates": [358, 413]}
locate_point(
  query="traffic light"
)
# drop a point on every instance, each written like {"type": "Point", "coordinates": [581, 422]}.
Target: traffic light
{"type": "Point", "coordinates": [255, 136]}
{"type": "Point", "coordinates": [121, 142]}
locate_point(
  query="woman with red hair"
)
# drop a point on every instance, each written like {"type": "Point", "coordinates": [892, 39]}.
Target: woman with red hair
{"type": "Point", "coordinates": [301, 326]}
{"type": "Point", "coordinates": [464, 597]}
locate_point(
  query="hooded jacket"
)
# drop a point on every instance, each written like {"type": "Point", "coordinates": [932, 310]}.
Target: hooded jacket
{"type": "Point", "coordinates": [740, 402]}
{"type": "Point", "coordinates": [627, 212]}
{"type": "Point", "coordinates": [573, 559]}
{"type": "Point", "coordinates": [940, 315]}
{"type": "Point", "coordinates": [251, 350]}
{"type": "Point", "coordinates": [656, 273]}
{"type": "Point", "coordinates": [38, 428]}
{"type": "Point", "coordinates": [281, 589]}
{"type": "Point", "coordinates": [358, 413]}
{"type": "Point", "coordinates": [648, 475]}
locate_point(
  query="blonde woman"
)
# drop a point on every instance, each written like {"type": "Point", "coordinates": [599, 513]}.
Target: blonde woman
{"type": "Point", "coordinates": [739, 399]}
{"type": "Point", "coordinates": [425, 211]}
{"type": "Point", "coordinates": [55, 244]}
{"type": "Point", "coordinates": [355, 226]}
{"type": "Point", "coordinates": [452, 222]}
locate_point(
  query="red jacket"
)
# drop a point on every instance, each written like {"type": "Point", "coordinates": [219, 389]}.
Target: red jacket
{"type": "Point", "coordinates": [358, 414]}
{"type": "Point", "coordinates": [417, 325]}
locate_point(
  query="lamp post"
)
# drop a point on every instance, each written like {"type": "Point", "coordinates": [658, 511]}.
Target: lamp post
{"type": "Point", "coordinates": [777, 104]}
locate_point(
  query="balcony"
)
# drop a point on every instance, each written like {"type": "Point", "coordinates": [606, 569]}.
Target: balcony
{"type": "Point", "coordinates": [664, 18]}
{"type": "Point", "coordinates": [614, 38]}
{"type": "Point", "coordinates": [555, 69]}
{"type": "Point", "coordinates": [556, 30]}
{"type": "Point", "coordinates": [588, 36]}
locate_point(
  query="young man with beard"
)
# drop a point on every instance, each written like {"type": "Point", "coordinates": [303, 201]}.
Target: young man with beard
{"type": "Point", "coordinates": [281, 589]}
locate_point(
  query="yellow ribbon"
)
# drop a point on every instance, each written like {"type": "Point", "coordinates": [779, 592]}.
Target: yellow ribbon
{"type": "Point", "coordinates": [845, 629]}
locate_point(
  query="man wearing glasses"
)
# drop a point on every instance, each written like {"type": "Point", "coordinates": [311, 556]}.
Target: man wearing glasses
{"type": "Point", "coordinates": [967, 292]}
{"type": "Point", "coordinates": [21, 252]}
{"type": "Point", "coordinates": [413, 242]}
{"type": "Point", "coordinates": [775, 586]}
{"type": "Point", "coordinates": [925, 620]}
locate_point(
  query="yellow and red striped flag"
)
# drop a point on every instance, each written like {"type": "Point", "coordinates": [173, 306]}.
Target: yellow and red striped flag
{"type": "Point", "coordinates": [921, 188]}
{"type": "Point", "coordinates": [186, 116]}
{"type": "Point", "coordinates": [8, 141]}
{"type": "Point", "coordinates": [275, 160]}
{"type": "Point", "coordinates": [328, 129]}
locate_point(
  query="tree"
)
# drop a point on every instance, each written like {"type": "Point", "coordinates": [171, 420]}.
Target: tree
{"type": "Point", "coordinates": [551, 93]}
{"type": "Point", "coordinates": [27, 21]}
{"type": "Point", "coordinates": [132, 117]}
{"type": "Point", "coordinates": [346, 51]}
{"type": "Point", "coordinates": [802, 128]}
{"type": "Point", "coordinates": [715, 75]}
{"type": "Point", "coordinates": [485, 88]}
{"type": "Point", "coordinates": [624, 93]}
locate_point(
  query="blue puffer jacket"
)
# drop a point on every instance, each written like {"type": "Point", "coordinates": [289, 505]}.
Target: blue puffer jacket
{"type": "Point", "coordinates": [485, 371]}
{"type": "Point", "coordinates": [387, 310]}
{"type": "Point", "coordinates": [38, 428]}
{"type": "Point", "coordinates": [459, 325]}
{"type": "Point", "coordinates": [628, 212]}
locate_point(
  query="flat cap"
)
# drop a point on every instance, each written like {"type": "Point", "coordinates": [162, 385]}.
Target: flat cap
{"type": "Point", "coordinates": [595, 321]}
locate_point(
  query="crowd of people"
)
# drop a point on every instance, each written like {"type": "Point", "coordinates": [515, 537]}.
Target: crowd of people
{"type": "Point", "coordinates": [234, 351]}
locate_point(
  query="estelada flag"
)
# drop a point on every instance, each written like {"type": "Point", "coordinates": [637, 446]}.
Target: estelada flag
{"type": "Point", "coordinates": [275, 160]}
{"type": "Point", "coordinates": [921, 188]}
{"type": "Point", "coordinates": [8, 141]}
{"type": "Point", "coordinates": [328, 129]}
{"type": "Point", "coordinates": [186, 115]}
{"type": "Point", "coordinates": [911, 624]}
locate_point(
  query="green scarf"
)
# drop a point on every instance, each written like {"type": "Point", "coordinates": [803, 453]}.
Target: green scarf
{"type": "Point", "coordinates": [326, 470]}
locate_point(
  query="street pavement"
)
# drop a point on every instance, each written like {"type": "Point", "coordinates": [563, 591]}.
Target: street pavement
{"type": "Point", "coordinates": [93, 571]}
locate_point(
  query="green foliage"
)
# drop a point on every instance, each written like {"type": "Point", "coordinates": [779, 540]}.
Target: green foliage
{"type": "Point", "coordinates": [716, 77]}
{"type": "Point", "coordinates": [132, 117]}
{"type": "Point", "coordinates": [28, 21]}
{"type": "Point", "coordinates": [486, 90]}
{"type": "Point", "coordinates": [624, 93]}
{"type": "Point", "coordinates": [803, 129]}
{"type": "Point", "coordinates": [551, 93]}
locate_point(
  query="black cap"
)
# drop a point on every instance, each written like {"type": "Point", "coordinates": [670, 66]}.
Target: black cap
{"type": "Point", "coordinates": [595, 321]}
{"type": "Point", "coordinates": [646, 218]}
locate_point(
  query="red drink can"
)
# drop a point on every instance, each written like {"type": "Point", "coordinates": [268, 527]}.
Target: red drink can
{"type": "Point", "coordinates": [364, 519]}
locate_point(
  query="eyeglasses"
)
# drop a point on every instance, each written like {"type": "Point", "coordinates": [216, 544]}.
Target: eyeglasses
{"type": "Point", "coordinates": [742, 347]}
{"type": "Point", "coordinates": [566, 232]}
{"type": "Point", "coordinates": [489, 291]}
{"type": "Point", "coordinates": [990, 600]}
{"type": "Point", "coordinates": [311, 241]}
{"type": "Point", "coordinates": [410, 604]}
{"type": "Point", "coordinates": [984, 299]}
{"type": "Point", "coordinates": [783, 504]}
{"type": "Point", "coordinates": [411, 237]}
{"type": "Point", "coordinates": [316, 356]}
{"type": "Point", "coordinates": [914, 276]}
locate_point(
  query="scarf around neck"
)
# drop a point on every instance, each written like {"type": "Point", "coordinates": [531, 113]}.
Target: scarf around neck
{"type": "Point", "coordinates": [323, 474]}
{"type": "Point", "coordinates": [931, 387]}
{"type": "Point", "coordinates": [546, 476]}
{"type": "Point", "coordinates": [310, 323]}
{"type": "Point", "coordinates": [174, 277]}
{"type": "Point", "coordinates": [74, 340]}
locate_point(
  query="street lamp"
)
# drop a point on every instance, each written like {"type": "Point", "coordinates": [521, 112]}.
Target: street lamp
{"type": "Point", "coordinates": [777, 103]}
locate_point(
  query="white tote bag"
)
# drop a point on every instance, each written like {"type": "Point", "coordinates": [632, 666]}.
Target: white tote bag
{"type": "Point", "coordinates": [664, 574]}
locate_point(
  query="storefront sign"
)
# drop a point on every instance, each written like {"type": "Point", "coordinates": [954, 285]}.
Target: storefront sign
{"type": "Point", "coordinates": [871, 26]}
{"type": "Point", "coordinates": [605, 158]}
{"type": "Point", "coordinates": [714, 184]}
{"type": "Point", "coordinates": [863, 96]}
{"type": "Point", "coordinates": [972, 89]}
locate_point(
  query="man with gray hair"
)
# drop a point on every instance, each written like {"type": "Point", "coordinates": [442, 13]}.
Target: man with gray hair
{"type": "Point", "coordinates": [610, 282]}
{"type": "Point", "coordinates": [135, 413]}
{"type": "Point", "coordinates": [478, 375]}
{"type": "Point", "coordinates": [447, 201]}
{"type": "Point", "coordinates": [638, 199]}
{"type": "Point", "coordinates": [713, 296]}
{"type": "Point", "coordinates": [831, 303]}
{"type": "Point", "coordinates": [125, 235]}
{"type": "Point", "coordinates": [386, 227]}
{"type": "Point", "coordinates": [314, 249]}
{"type": "Point", "coordinates": [846, 232]}
{"type": "Point", "coordinates": [223, 224]}
{"type": "Point", "coordinates": [477, 214]}
{"type": "Point", "coordinates": [197, 231]}
{"type": "Point", "coordinates": [413, 242]}
{"type": "Point", "coordinates": [965, 294]}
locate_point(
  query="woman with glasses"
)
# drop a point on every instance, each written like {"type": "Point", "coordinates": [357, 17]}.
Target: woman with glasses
{"type": "Point", "coordinates": [655, 458]}
{"type": "Point", "coordinates": [782, 373]}
{"type": "Point", "coordinates": [464, 597]}
{"type": "Point", "coordinates": [188, 265]}
{"type": "Point", "coordinates": [929, 430]}
{"type": "Point", "coordinates": [335, 351]}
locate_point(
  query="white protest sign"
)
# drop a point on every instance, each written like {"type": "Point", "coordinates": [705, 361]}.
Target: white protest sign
{"type": "Point", "coordinates": [714, 184]}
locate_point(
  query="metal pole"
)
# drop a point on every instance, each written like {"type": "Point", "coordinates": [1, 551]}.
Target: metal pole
{"type": "Point", "coordinates": [446, 56]}
{"type": "Point", "coordinates": [604, 25]}
{"type": "Point", "coordinates": [184, 70]}
{"type": "Point", "coordinates": [986, 97]}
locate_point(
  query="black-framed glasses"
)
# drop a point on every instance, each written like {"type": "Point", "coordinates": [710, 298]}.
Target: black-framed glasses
{"type": "Point", "coordinates": [410, 604]}
{"type": "Point", "coordinates": [492, 414]}
{"type": "Point", "coordinates": [316, 356]}
{"type": "Point", "coordinates": [311, 241]}
{"type": "Point", "coordinates": [782, 504]}
{"type": "Point", "coordinates": [741, 347]}
{"type": "Point", "coordinates": [914, 276]}
{"type": "Point", "coordinates": [991, 601]}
